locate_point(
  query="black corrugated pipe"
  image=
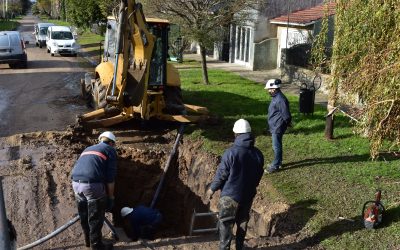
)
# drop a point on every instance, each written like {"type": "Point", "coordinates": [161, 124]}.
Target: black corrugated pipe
{"type": "Point", "coordinates": [4, 233]}
{"type": "Point", "coordinates": [171, 155]}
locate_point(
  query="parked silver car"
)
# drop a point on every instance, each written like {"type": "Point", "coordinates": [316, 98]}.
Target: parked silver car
{"type": "Point", "coordinates": [40, 33]}
{"type": "Point", "coordinates": [12, 49]}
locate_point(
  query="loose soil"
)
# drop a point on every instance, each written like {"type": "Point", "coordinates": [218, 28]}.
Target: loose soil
{"type": "Point", "coordinates": [39, 198]}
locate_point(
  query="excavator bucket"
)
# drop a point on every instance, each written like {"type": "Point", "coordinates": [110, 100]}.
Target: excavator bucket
{"type": "Point", "coordinates": [136, 84]}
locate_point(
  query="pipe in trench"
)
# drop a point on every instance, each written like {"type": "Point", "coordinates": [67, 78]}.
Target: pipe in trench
{"type": "Point", "coordinates": [170, 157]}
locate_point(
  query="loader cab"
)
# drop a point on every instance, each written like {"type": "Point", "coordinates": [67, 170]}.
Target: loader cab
{"type": "Point", "coordinates": [158, 64]}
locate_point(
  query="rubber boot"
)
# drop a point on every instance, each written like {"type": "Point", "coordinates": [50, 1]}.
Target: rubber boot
{"type": "Point", "coordinates": [87, 240]}
{"type": "Point", "coordinates": [102, 246]}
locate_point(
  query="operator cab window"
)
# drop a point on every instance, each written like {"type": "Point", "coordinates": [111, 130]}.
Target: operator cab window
{"type": "Point", "coordinates": [158, 63]}
{"type": "Point", "coordinates": [110, 41]}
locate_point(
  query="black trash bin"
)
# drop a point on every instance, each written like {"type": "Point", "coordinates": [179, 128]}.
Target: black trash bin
{"type": "Point", "coordinates": [306, 100]}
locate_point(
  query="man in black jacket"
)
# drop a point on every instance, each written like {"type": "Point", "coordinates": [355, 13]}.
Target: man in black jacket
{"type": "Point", "coordinates": [238, 176]}
{"type": "Point", "coordinates": [93, 183]}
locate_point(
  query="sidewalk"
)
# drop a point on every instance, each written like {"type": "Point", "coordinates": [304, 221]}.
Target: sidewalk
{"type": "Point", "coordinates": [258, 76]}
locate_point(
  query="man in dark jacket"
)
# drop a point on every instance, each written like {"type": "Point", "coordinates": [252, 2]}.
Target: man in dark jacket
{"type": "Point", "coordinates": [140, 222]}
{"type": "Point", "coordinates": [238, 176]}
{"type": "Point", "coordinates": [93, 183]}
{"type": "Point", "coordinates": [279, 118]}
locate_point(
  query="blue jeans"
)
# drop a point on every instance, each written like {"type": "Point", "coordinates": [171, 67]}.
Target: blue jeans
{"type": "Point", "coordinates": [277, 147]}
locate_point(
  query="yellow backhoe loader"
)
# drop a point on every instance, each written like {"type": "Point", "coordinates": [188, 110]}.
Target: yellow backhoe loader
{"type": "Point", "coordinates": [134, 79]}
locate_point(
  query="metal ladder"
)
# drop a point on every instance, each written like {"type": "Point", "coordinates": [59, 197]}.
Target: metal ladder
{"type": "Point", "coordinates": [202, 230]}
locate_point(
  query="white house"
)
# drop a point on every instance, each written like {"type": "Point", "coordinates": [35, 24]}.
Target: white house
{"type": "Point", "coordinates": [256, 45]}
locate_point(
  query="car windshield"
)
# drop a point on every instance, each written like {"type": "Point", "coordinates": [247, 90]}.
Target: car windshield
{"type": "Point", "coordinates": [62, 35]}
{"type": "Point", "coordinates": [43, 31]}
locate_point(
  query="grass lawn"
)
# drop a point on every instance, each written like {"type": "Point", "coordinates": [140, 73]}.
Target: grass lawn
{"type": "Point", "coordinates": [325, 179]}
{"type": "Point", "coordinates": [9, 25]}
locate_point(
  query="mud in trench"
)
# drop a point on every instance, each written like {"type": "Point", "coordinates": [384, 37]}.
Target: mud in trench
{"type": "Point", "coordinates": [39, 198]}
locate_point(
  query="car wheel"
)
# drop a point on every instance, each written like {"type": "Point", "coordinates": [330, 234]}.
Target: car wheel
{"type": "Point", "coordinates": [23, 65]}
{"type": "Point", "coordinates": [52, 54]}
{"type": "Point", "coordinates": [48, 51]}
{"type": "Point", "coordinates": [36, 44]}
{"type": "Point", "coordinates": [40, 46]}
{"type": "Point", "coordinates": [75, 55]}
{"type": "Point", "coordinates": [12, 65]}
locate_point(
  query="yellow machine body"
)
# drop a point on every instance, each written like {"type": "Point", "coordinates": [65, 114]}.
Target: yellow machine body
{"type": "Point", "coordinates": [134, 78]}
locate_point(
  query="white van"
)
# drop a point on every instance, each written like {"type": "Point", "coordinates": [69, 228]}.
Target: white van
{"type": "Point", "coordinates": [41, 32]}
{"type": "Point", "coordinates": [60, 40]}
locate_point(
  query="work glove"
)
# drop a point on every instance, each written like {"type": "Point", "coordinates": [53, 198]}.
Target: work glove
{"type": "Point", "coordinates": [209, 194]}
{"type": "Point", "coordinates": [110, 204]}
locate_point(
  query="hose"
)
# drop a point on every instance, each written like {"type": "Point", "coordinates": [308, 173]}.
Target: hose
{"type": "Point", "coordinates": [62, 228]}
{"type": "Point", "coordinates": [49, 236]}
{"type": "Point", "coordinates": [171, 155]}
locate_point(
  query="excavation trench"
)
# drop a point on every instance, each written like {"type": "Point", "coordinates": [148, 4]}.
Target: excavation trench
{"type": "Point", "coordinates": [39, 198]}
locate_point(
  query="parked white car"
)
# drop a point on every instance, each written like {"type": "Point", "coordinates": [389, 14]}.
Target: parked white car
{"type": "Point", "coordinates": [60, 40]}
{"type": "Point", "coordinates": [40, 33]}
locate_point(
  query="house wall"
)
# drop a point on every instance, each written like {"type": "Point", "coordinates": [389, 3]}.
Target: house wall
{"type": "Point", "coordinates": [265, 34]}
{"type": "Point", "coordinates": [331, 30]}
{"type": "Point", "coordinates": [294, 35]}
{"type": "Point", "coordinates": [265, 54]}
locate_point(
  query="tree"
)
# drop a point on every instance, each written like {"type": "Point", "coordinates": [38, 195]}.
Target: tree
{"type": "Point", "coordinates": [203, 21]}
{"type": "Point", "coordinates": [366, 67]}
{"type": "Point", "coordinates": [84, 13]}
{"type": "Point", "coordinates": [44, 6]}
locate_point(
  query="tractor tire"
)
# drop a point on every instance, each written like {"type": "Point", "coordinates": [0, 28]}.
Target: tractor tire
{"type": "Point", "coordinates": [99, 95]}
{"type": "Point", "coordinates": [86, 92]}
{"type": "Point", "coordinates": [173, 100]}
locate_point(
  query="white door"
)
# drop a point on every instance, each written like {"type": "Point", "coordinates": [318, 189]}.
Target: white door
{"type": "Point", "coordinates": [242, 47]}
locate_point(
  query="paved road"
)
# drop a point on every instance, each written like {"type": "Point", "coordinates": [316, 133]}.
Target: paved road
{"type": "Point", "coordinates": [45, 96]}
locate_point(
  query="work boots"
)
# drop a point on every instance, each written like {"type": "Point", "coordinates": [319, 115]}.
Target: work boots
{"type": "Point", "coordinates": [87, 240]}
{"type": "Point", "coordinates": [102, 246]}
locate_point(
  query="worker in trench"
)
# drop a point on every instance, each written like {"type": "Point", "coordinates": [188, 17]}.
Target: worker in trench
{"type": "Point", "coordinates": [237, 176]}
{"type": "Point", "coordinates": [140, 222]}
{"type": "Point", "coordinates": [93, 183]}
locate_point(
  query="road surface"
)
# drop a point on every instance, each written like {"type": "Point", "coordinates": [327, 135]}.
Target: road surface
{"type": "Point", "coordinates": [45, 96]}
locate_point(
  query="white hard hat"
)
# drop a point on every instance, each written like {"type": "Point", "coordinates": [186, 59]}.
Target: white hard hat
{"type": "Point", "coordinates": [241, 126]}
{"type": "Point", "coordinates": [125, 211]}
{"type": "Point", "coordinates": [108, 135]}
{"type": "Point", "coordinates": [273, 84]}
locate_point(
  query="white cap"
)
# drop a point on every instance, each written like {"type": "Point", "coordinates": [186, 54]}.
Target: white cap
{"type": "Point", "coordinates": [125, 211]}
{"type": "Point", "coordinates": [273, 84]}
{"type": "Point", "coordinates": [108, 135]}
{"type": "Point", "coordinates": [241, 126]}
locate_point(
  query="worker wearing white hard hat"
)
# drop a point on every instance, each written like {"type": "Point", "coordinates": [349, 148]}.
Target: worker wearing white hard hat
{"type": "Point", "coordinates": [237, 176]}
{"type": "Point", "coordinates": [93, 181]}
{"type": "Point", "coordinates": [140, 222]}
{"type": "Point", "coordinates": [107, 136]}
{"type": "Point", "coordinates": [279, 119]}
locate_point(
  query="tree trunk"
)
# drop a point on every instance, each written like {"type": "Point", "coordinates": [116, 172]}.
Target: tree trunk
{"type": "Point", "coordinates": [204, 64]}
{"type": "Point", "coordinates": [329, 127]}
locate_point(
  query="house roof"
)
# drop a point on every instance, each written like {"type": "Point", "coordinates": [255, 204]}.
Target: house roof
{"type": "Point", "coordinates": [305, 17]}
